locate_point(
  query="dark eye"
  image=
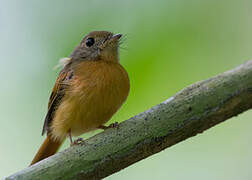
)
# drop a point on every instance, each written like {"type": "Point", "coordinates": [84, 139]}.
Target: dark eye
{"type": "Point", "coordinates": [90, 42]}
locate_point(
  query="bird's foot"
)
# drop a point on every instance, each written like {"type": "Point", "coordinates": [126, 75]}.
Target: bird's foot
{"type": "Point", "coordinates": [112, 125]}
{"type": "Point", "coordinates": [77, 142]}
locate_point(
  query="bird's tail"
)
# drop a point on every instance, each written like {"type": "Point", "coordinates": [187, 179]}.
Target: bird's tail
{"type": "Point", "coordinates": [48, 148]}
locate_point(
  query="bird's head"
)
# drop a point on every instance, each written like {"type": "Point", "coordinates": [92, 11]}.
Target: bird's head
{"type": "Point", "coordinates": [98, 45]}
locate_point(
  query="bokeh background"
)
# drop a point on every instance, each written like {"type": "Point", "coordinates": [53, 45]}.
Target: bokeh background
{"type": "Point", "coordinates": [169, 44]}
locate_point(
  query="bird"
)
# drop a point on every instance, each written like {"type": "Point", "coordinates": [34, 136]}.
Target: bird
{"type": "Point", "coordinates": [90, 88]}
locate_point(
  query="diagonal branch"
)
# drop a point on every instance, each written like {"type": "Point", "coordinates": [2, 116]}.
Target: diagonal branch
{"type": "Point", "coordinates": [189, 112]}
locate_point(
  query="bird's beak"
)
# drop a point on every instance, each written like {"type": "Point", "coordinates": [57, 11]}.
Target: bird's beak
{"type": "Point", "coordinates": [116, 37]}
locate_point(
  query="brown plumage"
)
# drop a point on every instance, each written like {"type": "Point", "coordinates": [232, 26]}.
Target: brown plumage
{"type": "Point", "coordinates": [90, 88]}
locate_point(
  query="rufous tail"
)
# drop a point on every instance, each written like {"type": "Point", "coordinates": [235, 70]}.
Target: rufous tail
{"type": "Point", "coordinates": [48, 148]}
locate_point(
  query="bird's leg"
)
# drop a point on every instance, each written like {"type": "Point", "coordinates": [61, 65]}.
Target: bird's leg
{"type": "Point", "coordinates": [112, 125]}
{"type": "Point", "coordinates": [70, 138]}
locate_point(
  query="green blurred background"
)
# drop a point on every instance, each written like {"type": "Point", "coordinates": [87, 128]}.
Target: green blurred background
{"type": "Point", "coordinates": [169, 45]}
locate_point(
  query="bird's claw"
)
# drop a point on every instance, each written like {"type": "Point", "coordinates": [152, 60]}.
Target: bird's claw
{"type": "Point", "coordinates": [113, 125]}
{"type": "Point", "coordinates": [78, 142]}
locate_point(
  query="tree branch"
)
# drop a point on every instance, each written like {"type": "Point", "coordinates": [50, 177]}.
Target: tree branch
{"type": "Point", "coordinates": [189, 112]}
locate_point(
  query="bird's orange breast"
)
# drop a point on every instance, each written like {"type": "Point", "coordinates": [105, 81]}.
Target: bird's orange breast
{"type": "Point", "coordinates": [96, 91]}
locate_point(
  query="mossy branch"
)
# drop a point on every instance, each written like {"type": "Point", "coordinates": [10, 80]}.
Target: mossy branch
{"type": "Point", "coordinates": [189, 112]}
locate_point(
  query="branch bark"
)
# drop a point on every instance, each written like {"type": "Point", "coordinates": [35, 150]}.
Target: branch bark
{"type": "Point", "coordinates": [189, 112]}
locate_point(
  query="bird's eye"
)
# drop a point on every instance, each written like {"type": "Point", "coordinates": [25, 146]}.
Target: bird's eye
{"type": "Point", "coordinates": [90, 42]}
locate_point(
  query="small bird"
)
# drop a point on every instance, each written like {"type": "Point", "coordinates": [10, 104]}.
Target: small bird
{"type": "Point", "coordinates": [90, 88]}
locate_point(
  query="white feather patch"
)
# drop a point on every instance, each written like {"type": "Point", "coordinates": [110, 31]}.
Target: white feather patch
{"type": "Point", "coordinates": [62, 62]}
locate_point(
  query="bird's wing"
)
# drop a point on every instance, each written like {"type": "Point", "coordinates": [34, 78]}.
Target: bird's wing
{"type": "Point", "coordinates": [56, 97]}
